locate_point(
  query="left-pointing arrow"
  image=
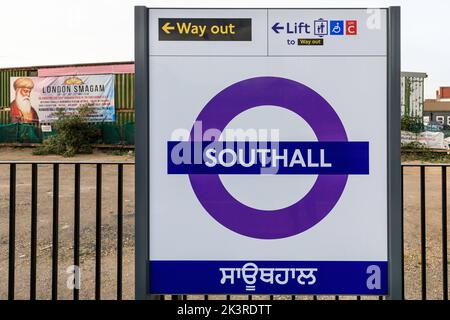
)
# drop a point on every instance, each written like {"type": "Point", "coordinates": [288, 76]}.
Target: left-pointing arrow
{"type": "Point", "coordinates": [276, 27]}
{"type": "Point", "coordinates": [167, 27]}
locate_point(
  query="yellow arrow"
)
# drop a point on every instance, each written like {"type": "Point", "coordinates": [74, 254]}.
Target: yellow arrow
{"type": "Point", "coordinates": [166, 28]}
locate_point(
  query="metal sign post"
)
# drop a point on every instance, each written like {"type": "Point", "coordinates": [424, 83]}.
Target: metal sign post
{"type": "Point", "coordinates": [257, 170]}
{"type": "Point", "coordinates": [396, 287]}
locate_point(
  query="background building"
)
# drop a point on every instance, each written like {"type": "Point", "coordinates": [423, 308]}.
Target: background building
{"type": "Point", "coordinates": [412, 94]}
{"type": "Point", "coordinates": [123, 99]}
{"type": "Point", "coordinates": [438, 110]}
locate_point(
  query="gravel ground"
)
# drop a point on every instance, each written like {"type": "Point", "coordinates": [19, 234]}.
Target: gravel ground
{"type": "Point", "coordinates": [109, 230]}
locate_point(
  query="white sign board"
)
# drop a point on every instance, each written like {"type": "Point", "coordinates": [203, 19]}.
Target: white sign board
{"type": "Point", "coordinates": [268, 153]}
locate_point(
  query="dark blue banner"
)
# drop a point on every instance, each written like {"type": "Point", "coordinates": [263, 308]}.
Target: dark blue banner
{"type": "Point", "coordinates": [269, 277]}
{"type": "Point", "coordinates": [284, 157]}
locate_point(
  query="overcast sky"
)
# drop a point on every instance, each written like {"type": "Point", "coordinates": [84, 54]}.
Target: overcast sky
{"type": "Point", "coordinates": [51, 32]}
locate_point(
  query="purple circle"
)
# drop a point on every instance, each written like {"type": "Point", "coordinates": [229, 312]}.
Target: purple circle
{"type": "Point", "coordinates": [316, 204]}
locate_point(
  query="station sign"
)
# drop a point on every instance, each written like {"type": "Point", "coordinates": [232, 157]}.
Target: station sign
{"type": "Point", "coordinates": [268, 151]}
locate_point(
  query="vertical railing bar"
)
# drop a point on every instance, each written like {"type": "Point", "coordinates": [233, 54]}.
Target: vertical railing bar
{"type": "Point", "coordinates": [98, 235]}
{"type": "Point", "coordinates": [206, 297]}
{"type": "Point", "coordinates": [228, 297]}
{"type": "Point", "coordinates": [314, 297]}
{"type": "Point", "coordinates": [76, 231]}
{"type": "Point", "coordinates": [250, 297]}
{"type": "Point", "coordinates": [444, 234]}
{"type": "Point", "coordinates": [292, 297]}
{"type": "Point", "coordinates": [423, 232]}
{"type": "Point", "coordinates": [358, 297]}
{"type": "Point", "coordinates": [33, 244]}
{"type": "Point", "coordinates": [336, 297]}
{"type": "Point", "coordinates": [119, 229]}
{"type": "Point", "coordinates": [184, 297]}
{"type": "Point", "coordinates": [55, 231]}
{"type": "Point", "coordinates": [12, 231]}
{"type": "Point", "coordinates": [271, 297]}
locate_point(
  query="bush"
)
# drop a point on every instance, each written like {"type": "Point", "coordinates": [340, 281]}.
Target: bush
{"type": "Point", "coordinates": [414, 145]}
{"type": "Point", "coordinates": [412, 124]}
{"type": "Point", "coordinates": [74, 134]}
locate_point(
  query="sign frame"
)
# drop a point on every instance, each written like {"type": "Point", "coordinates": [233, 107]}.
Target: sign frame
{"type": "Point", "coordinates": [142, 174]}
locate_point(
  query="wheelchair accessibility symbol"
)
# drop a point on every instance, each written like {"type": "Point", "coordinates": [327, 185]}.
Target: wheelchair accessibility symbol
{"type": "Point", "coordinates": [337, 27]}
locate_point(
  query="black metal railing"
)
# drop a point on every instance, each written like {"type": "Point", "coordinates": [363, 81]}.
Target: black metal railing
{"type": "Point", "coordinates": [55, 231]}
{"type": "Point", "coordinates": [423, 223]}
{"type": "Point", "coordinates": [417, 181]}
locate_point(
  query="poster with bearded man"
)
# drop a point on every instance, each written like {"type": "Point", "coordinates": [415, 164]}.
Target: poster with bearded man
{"type": "Point", "coordinates": [38, 99]}
{"type": "Point", "coordinates": [21, 107]}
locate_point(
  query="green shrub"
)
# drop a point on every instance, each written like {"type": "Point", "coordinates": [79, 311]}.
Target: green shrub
{"type": "Point", "coordinates": [412, 124]}
{"type": "Point", "coordinates": [74, 134]}
{"type": "Point", "coordinates": [414, 145]}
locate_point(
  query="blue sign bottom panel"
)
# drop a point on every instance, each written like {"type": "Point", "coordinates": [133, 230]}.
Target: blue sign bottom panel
{"type": "Point", "coordinates": [269, 277]}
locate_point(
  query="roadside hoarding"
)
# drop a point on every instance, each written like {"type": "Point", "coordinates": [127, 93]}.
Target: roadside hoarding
{"type": "Point", "coordinates": [257, 174]}
{"type": "Point", "coordinates": [37, 99]}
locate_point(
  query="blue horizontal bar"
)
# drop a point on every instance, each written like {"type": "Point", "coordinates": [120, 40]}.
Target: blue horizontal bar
{"type": "Point", "coordinates": [330, 277]}
{"type": "Point", "coordinates": [331, 158]}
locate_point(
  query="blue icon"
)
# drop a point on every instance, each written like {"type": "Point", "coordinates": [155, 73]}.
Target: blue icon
{"type": "Point", "coordinates": [321, 27]}
{"type": "Point", "coordinates": [337, 27]}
